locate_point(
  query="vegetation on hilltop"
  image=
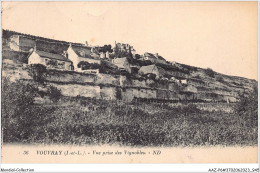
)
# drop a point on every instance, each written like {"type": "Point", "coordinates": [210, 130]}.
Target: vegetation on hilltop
{"type": "Point", "coordinates": [105, 48]}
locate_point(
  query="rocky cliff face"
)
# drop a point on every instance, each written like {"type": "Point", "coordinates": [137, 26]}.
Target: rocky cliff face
{"type": "Point", "coordinates": [199, 86]}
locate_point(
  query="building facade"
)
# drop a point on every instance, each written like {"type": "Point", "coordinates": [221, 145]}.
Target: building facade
{"type": "Point", "coordinates": [21, 43]}
{"type": "Point", "coordinates": [50, 60]}
{"type": "Point", "coordinates": [77, 54]}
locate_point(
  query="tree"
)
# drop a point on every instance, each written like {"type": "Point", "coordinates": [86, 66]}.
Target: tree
{"type": "Point", "coordinates": [38, 72]}
{"type": "Point", "coordinates": [137, 56]}
{"type": "Point", "coordinates": [86, 65]}
{"type": "Point", "coordinates": [106, 48]}
{"type": "Point", "coordinates": [17, 98]}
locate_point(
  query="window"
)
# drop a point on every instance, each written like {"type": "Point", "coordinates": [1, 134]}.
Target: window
{"type": "Point", "coordinates": [61, 64]}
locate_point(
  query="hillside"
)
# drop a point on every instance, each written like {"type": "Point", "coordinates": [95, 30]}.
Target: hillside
{"type": "Point", "coordinates": [180, 106]}
{"type": "Point", "coordinates": [177, 81]}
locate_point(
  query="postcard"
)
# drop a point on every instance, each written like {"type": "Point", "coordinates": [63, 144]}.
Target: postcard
{"type": "Point", "coordinates": [129, 82]}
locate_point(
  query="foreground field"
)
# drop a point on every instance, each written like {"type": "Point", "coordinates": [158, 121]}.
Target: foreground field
{"type": "Point", "coordinates": [87, 121]}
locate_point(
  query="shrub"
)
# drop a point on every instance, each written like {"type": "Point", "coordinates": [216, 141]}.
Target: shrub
{"type": "Point", "coordinates": [54, 94]}
{"type": "Point", "coordinates": [137, 56]}
{"type": "Point", "coordinates": [220, 79]}
{"type": "Point", "coordinates": [151, 76]}
{"type": "Point", "coordinates": [86, 65]}
{"type": "Point", "coordinates": [247, 106]}
{"type": "Point", "coordinates": [52, 63]}
{"type": "Point", "coordinates": [38, 72]}
{"type": "Point", "coordinates": [118, 93]}
{"type": "Point", "coordinates": [106, 68]}
{"type": "Point", "coordinates": [105, 48]}
{"type": "Point", "coordinates": [210, 72]}
{"type": "Point", "coordinates": [19, 116]}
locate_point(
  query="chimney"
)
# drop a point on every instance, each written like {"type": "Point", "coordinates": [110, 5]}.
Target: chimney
{"type": "Point", "coordinates": [86, 43]}
{"type": "Point", "coordinates": [34, 47]}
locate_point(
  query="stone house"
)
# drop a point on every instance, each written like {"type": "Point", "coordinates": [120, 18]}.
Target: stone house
{"type": "Point", "coordinates": [21, 43]}
{"type": "Point", "coordinates": [49, 60]}
{"type": "Point", "coordinates": [149, 69]}
{"type": "Point", "coordinates": [154, 58]}
{"type": "Point", "coordinates": [124, 48]}
{"type": "Point", "coordinates": [190, 88]}
{"type": "Point", "coordinates": [122, 64]}
{"type": "Point", "coordinates": [77, 53]}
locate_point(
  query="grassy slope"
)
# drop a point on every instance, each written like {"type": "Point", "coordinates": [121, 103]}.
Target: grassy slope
{"type": "Point", "coordinates": [81, 121]}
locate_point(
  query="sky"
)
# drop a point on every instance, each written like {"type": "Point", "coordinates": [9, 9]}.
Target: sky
{"type": "Point", "coordinates": [218, 35]}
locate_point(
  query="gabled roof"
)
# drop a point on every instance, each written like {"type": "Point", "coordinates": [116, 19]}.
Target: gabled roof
{"type": "Point", "coordinates": [160, 57]}
{"type": "Point", "coordinates": [120, 62]}
{"type": "Point", "coordinates": [83, 51]}
{"type": "Point", "coordinates": [149, 54]}
{"type": "Point", "coordinates": [52, 55]}
{"type": "Point", "coordinates": [148, 68]}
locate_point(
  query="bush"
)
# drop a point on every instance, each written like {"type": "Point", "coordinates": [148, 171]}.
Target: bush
{"type": "Point", "coordinates": [137, 56]}
{"type": "Point", "coordinates": [20, 117]}
{"type": "Point", "coordinates": [38, 73]}
{"type": "Point", "coordinates": [108, 69]}
{"type": "Point", "coordinates": [54, 94]}
{"type": "Point", "coordinates": [53, 63]}
{"type": "Point", "coordinates": [85, 65]}
{"type": "Point", "coordinates": [220, 79]}
{"type": "Point", "coordinates": [105, 48]}
{"type": "Point", "coordinates": [151, 76]}
{"type": "Point", "coordinates": [210, 72]}
{"type": "Point", "coordinates": [247, 106]}
{"type": "Point", "coordinates": [118, 93]}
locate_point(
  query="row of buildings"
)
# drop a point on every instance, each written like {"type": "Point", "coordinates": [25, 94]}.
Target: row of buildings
{"type": "Point", "coordinates": [68, 56]}
{"type": "Point", "coordinates": [71, 54]}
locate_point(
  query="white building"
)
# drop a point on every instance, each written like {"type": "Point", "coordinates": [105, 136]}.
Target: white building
{"type": "Point", "coordinates": [78, 53]}
{"type": "Point", "coordinates": [122, 64]}
{"type": "Point", "coordinates": [49, 60]}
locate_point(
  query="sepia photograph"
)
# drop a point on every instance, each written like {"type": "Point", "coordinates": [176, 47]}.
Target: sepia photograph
{"type": "Point", "coordinates": [129, 82]}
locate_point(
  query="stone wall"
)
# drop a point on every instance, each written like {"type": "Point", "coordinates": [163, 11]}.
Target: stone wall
{"type": "Point", "coordinates": [74, 90]}
{"type": "Point", "coordinates": [108, 93]}
{"type": "Point", "coordinates": [107, 79]}
{"type": "Point", "coordinates": [70, 77]}
{"type": "Point", "coordinates": [112, 87]}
